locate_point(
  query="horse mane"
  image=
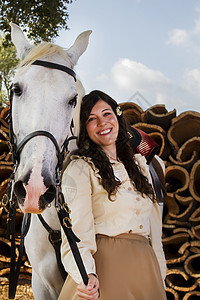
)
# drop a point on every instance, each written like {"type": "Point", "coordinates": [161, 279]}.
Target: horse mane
{"type": "Point", "coordinates": [41, 50]}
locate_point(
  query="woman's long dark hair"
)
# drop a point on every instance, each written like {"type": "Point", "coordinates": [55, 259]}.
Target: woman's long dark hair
{"type": "Point", "coordinates": [86, 147]}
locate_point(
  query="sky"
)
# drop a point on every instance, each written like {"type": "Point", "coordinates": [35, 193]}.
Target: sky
{"type": "Point", "coordinates": [144, 51]}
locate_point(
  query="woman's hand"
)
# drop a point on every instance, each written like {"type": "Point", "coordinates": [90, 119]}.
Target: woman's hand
{"type": "Point", "coordinates": [90, 291]}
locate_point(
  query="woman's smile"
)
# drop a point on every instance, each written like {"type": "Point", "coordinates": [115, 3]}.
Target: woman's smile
{"type": "Point", "coordinates": [106, 131]}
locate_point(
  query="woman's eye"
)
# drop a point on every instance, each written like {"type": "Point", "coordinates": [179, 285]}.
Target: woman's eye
{"type": "Point", "coordinates": [16, 89]}
{"type": "Point", "coordinates": [90, 120]}
{"type": "Point", "coordinates": [73, 101]}
{"type": "Point", "coordinates": [107, 114]}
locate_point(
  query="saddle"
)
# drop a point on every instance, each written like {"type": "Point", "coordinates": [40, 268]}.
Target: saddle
{"type": "Point", "coordinates": [144, 144]}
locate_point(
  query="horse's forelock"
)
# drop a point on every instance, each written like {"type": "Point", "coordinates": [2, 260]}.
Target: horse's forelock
{"type": "Point", "coordinates": [39, 51]}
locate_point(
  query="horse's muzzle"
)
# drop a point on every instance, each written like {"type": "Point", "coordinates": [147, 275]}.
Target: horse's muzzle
{"type": "Point", "coordinates": [30, 199]}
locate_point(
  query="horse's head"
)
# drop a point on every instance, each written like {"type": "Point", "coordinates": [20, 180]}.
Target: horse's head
{"type": "Point", "coordinates": [43, 100]}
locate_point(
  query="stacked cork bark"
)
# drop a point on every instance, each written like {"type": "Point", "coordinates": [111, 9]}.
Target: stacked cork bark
{"type": "Point", "coordinates": [179, 140]}
{"type": "Point", "coordinates": [6, 168]}
{"type": "Point", "coordinates": [6, 165]}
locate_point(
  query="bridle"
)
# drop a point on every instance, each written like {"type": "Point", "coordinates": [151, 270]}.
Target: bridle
{"type": "Point", "coordinates": [16, 149]}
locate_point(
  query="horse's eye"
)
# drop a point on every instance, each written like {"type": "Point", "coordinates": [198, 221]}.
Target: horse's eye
{"type": "Point", "coordinates": [73, 101]}
{"type": "Point", "coordinates": [17, 89]}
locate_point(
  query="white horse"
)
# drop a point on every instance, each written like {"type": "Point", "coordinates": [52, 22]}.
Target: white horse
{"type": "Point", "coordinates": [43, 100]}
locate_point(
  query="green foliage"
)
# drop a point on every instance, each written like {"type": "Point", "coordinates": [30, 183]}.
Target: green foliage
{"type": "Point", "coordinates": [8, 62]}
{"type": "Point", "coordinates": [41, 19]}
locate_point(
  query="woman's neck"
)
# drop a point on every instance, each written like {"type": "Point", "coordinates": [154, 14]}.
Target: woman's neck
{"type": "Point", "coordinates": [111, 153]}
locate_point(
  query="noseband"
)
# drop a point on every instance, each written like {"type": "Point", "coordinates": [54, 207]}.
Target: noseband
{"type": "Point", "coordinates": [16, 149]}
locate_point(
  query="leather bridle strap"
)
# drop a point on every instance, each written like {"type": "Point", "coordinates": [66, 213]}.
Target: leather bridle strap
{"type": "Point", "coordinates": [17, 149]}
{"type": "Point", "coordinates": [51, 65]}
{"type": "Point", "coordinates": [60, 155]}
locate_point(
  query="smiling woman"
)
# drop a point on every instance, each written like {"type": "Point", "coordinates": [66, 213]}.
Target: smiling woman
{"type": "Point", "coordinates": [113, 211]}
{"type": "Point", "coordinates": [102, 128]}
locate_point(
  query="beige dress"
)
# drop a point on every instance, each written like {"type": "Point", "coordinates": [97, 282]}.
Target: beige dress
{"type": "Point", "coordinates": [114, 235]}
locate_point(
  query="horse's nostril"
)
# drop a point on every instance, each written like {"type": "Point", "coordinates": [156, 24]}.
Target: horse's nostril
{"type": "Point", "coordinates": [49, 195]}
{"type": "Point", "coordinates": [20, 191]}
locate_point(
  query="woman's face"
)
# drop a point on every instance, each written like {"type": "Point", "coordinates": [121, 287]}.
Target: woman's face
{"type": "Point", "coordinates": [102, 125]}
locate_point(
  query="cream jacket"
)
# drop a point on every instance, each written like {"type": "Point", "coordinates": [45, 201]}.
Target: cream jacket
{"type": "Point", "coordinates": [92, 212]}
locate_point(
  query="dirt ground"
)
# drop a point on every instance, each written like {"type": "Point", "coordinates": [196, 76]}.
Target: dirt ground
{"type": "Point", "coordinates": [23, 292]}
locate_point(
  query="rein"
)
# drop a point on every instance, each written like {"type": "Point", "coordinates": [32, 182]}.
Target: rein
{"type": "Point", "coordinates": [62, 208]}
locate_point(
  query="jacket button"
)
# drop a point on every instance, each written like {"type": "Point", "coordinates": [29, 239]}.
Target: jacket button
{"type": "Point", "coordinates": [141, 226]}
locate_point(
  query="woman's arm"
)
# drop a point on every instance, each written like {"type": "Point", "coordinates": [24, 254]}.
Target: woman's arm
{"type": "Point", "coordinates": [77, 192]}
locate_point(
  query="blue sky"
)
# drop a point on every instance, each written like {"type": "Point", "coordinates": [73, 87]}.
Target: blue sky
{"type": "Point", "coordinates": [146, 46]}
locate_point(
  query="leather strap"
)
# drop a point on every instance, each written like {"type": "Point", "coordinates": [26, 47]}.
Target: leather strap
{"type": "Point", "coordinates": [12, 287]}
{"type": "Point", "coordinates": [74, 249]}
{"type": "Point", "coordinates": [160, 174]}
{"type": "Point", "coordinates": [65, 221]}
{"type": "Point", "coordinates": [51, 65]}
{"type": "Point", "coordinates": [55, 240]}
{"type": "Point", "coordinates": [156, 183]}
{"type": "Point", "coordinates": [15, 268]}
{"type": "Point", "coordinates": [60, 155]}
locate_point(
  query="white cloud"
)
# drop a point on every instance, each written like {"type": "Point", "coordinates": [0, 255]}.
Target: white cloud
{"type": "Point", "coordinates": [196, 30]}
{"type": "Point", "coordinates": [161, 98]}
{"type": "Point", "coordinates": [192, 80]}
{"type": "Point", "coordinates": [132, 75]}
{"type": "Point", "coordinates": [183, 37]}
{"type": "Point", "coordinates": [127, 77]}
{"type": "Point", "coordinates": [173, 99]}
{"type": "Point", "coordinates": [178, 37]}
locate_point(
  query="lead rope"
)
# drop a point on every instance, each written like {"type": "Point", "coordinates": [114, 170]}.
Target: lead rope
{"type": "Point", "coordinates": [10, 207]}
{"type": "Point", "coordinates": [55, 240]}
{"type": "Point", "coordinates": [16, 272]}
{"type": "Point", "coordinates": [63, 212]}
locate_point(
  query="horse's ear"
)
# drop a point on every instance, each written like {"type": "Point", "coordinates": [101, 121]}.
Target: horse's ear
{"type": "Point", "coordinates": [79, 46]}
{"type": "Point", "coordinates": [19, 40]}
